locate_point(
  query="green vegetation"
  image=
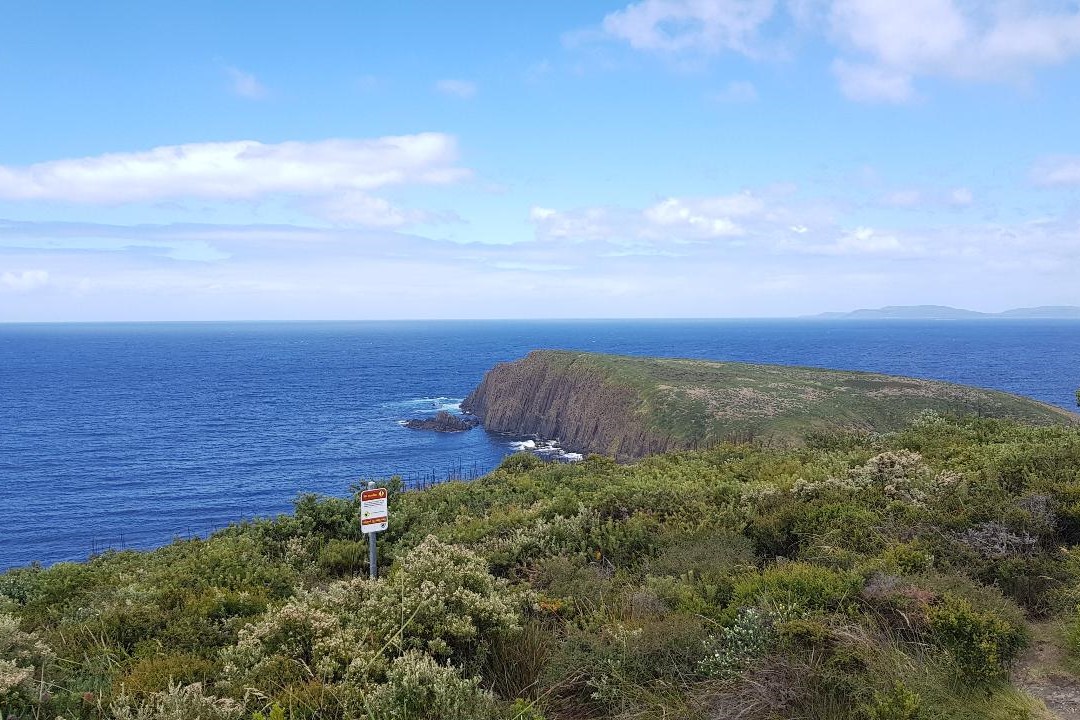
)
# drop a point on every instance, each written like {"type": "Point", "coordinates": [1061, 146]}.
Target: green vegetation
{"type": "Point", "coordinates": [703, 402]}
{"type": "Point", "coordinates": [869, 576]}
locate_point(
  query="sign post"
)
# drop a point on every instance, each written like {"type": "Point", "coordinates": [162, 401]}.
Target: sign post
{"type": "Point", "coordinates": [373, 520]}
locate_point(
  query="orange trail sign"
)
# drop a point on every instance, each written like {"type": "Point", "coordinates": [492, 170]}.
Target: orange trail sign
{"type": "Point", "coordinates": [373, 513]}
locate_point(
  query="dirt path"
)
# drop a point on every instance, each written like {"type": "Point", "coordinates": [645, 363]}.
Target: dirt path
{"type": "Point", "coordinates": [1043, 672]}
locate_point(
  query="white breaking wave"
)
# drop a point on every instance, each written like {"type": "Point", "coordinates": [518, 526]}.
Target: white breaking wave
{"type": "Point", "coordinates": [546, 449]}
{"type": "Point", "coordinates": [429, 405]}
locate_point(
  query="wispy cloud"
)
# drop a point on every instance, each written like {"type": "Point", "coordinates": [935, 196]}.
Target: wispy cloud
{"type": "Point", "coordinates": [245, 169]}
{"type": "Point", "coordinates": [706, 27]}
{"type": "Point", "coordinates": [578, 263]}
{"type": "Point", "coordinates": [873, 83]}
{"type": "Point", "coordinates": [881, 49]}
{"type": "Point", "coordinates": [24, 280]}
{"type": "Point", "coordinates": [887, 46]}
{"type": "Point", "coordinates": [1060, 170]}
{"type": "Point", "coordinates": [923, 198]}
{"type": "Point", "coordinates": [462, 89]}
{"type": "Point", "coordinates": [246, 85]}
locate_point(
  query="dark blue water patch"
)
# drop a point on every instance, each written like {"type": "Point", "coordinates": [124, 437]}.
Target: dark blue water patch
{"type": "Point", "coordinates": [138, 433]}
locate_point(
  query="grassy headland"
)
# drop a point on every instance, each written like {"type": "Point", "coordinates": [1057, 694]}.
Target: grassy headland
{"type": "Point", "coordinates": [629, 407]}
{"type": "Point", "coordinates": [853, 576]}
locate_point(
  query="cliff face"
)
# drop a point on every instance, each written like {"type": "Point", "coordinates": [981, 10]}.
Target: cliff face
{"type": "Point", "coordinates": [559, 396]}
{"type": "Point", "coordinates": [629, 407]}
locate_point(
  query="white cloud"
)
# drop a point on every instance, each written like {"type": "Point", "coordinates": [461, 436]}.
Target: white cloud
{"type": "Point", "coordinates": [357, 208]}
{"type": "Point", "coordinates": [777, 267]}
{"type": "Point", "coordinates": [1064, 170]}
{"type": "Point", "coordinates": [737, 92]}
{"type": "Point", "coordinates": [872, 83]}
{"type": "Point", "coordinates": [245, 84]}
{"type": "Point", "coordinates": [861, 241]}
{"type": "Point", "coordinates": [671, 220]}
{"type": "Point", "coordinates": [23, 281]}
{"type": "Point", "coordinates": [457, 88]}
{"type": "Point", "coordinates": [903, 198]}
{"type": "Point", "coordinates": [703, 218]}
{"type": "Point", "coordinates": [596, 223]}
{"type": "Point", "coordinates": [244, 169]}
{"type": "Point", "coordinates": [894, 43]}
{"type": "Point", "coordinates": [961, 197]}
{"type": "Point", "coordinates": [882, 47]}
{"type": "Point", "coordinates": [538, 214]}
{"type": "Point", "coordinates": [690, 221]}
{"type": "Point", "coordinates": [920, 199]}
{"type": "Point", "coordinates": [700, 26]}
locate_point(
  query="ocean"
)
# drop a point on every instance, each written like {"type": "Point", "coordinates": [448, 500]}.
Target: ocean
{"type": "Point", "coordinates": [129, 435]}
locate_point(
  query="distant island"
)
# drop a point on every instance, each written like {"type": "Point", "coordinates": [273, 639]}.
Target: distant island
{"type": "Point", "coordinates": [944, 312]}
{"type": "Point", "coordinates": [630, 407]}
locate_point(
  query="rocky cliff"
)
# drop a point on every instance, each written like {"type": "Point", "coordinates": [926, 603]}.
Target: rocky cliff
{"type": "Point", "coordinates": [629, 407]}
{"type": "Point", "coordinates": [561, 396]}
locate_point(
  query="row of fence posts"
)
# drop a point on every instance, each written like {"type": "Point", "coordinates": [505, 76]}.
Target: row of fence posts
{"type": "Point", "coordinates": [417, 481]}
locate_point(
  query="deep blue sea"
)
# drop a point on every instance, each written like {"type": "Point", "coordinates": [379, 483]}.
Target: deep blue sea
{"type": "Point", "coordinates": [129, 435]}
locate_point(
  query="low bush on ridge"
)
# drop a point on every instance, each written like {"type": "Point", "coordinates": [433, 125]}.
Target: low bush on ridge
{"type": "Point", "coordinates": [863, 577]}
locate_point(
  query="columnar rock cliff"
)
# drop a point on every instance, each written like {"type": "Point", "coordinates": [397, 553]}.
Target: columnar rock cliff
{"type": "Point", "coordinates": [561, 396]}
{"type": "Point", "coordinates": [628, 407]}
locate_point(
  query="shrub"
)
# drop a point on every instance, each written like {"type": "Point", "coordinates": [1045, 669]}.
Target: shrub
{"type": "Point", "coordinates": [712, 555]}
{"type": "Point", "coordinates": [896, 703]}
{"type": "Point", "coordinates": [447, 599]}
{"type": "Point", "coordinates": [440, 599]}
{"type": "Point", "coordinates": [290, 644]}
{"type": "Point", "coordinates": [22, 658]}
{"type": "Point", "coordinates": [739, 645]}
{"type": "Point", "coordinates": [807, 587]}
{"type": "Point", "coordinates": [177, 703]}
{"type": "Point", "coordinates": [418, 688]}
{"type": "Point", "coordinates": [577, 586]}
{"type": "Point", "coordinates": [545, 537]}
{"type": "Point", "coordinates": [343, 557]}
{"type": "Point", "coordinates": [908, 558]}
{"type": "Point", "coordinates": [625, 543]}
{"type": "Point", "coordinates": [607, 665]}
{"type": "Point", "coordinates": [158, 673]}
{"type": "Point", "coordinates": [981, 643]}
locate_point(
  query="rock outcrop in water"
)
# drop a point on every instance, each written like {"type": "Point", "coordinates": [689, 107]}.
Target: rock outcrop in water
{"type": "Point", "coordinates": [443, 422]}
{"type": "Point", "coordinates": [629, 407]}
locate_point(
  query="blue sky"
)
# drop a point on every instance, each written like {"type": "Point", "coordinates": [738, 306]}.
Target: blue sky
{"type": "Point", "coordinates": [661, 158]}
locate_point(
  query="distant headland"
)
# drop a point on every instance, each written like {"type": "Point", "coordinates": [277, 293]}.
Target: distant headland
{"type": "Point", "coordinates": [944, 312]}
{"type": "Point", "coordinates": [630, 407]}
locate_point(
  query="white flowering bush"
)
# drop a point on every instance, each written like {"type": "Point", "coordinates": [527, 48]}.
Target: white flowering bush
{"type": "Point", "coordinates": [439, 599]}
{"type": "Point", "coordinates": [739, 645]}
{"type": "Point", "coordinates": [419, 688]}
{"type": "Point", "coordinates": [612, 666]}
{"type": "Point", "coordinates": [303, 639]}
{"type": "Point", "coordinates": [899, 475]}
{"type": "Point", "coordinates": [543, 538]}
{"type": "Point", "coordinates": [177, 703]}
{"type": "Point", "coordinates": [22, 656]}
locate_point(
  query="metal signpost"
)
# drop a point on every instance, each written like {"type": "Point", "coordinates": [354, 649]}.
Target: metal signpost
{"type": "Point", "coordinates": [373, 520]}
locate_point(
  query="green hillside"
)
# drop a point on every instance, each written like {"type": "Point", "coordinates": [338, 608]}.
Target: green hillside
{"type": "Point", "coordinates": [702, 401]}
{"type": "Point", "coordinates": [895, 576]}
{"type": "Point", "coordinates": [633, 406]}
